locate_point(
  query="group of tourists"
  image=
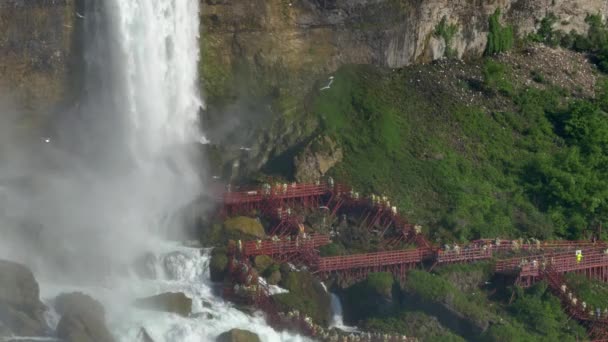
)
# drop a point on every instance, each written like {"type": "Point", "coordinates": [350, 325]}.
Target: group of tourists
{"type": "Point", "coordinates": [595, 314]}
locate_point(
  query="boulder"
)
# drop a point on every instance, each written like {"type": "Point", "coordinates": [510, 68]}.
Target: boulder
{"type": "Point", "coordinates": [175, 302]}
{"type": "Point", "coordinates": [238, 335]}
{"type": "Point", "coordinates": [307, 295]}
{"type": "Point", "coordinates": [243, 228]}
{"type": "Point", "coordinates": [262, 262]}
{"type": "Point", "coordinates": [218, 264]}
{"type": "Point", "coordinates": [371, 297]}
{"type": "Point", "coordinates": [143, 335]}
{"type": "Point", "coordinates": [83, 319]}
{"type": "Point", "coordinates": [21, 311]}
{"type": "Point", "coordinates": [316, 159]}
{"type": "Point", "coordinates": [274, 278]}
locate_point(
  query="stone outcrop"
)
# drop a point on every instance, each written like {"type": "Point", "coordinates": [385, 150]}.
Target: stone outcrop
{"type": "Point", "coordinates": [306, 295]}
{"type": "Point", "coordinates": [243, 228]}
{"type": "Point", "coordinates": [238, 335]}
{"type": "Point", "coordinates": [21, 311]}
{"type": "Point", "coordinates": [316, 159]}
{"type": "Point", "coordinates": [82, 319]}
{"type": "Point", "coordinates": [177, 303]}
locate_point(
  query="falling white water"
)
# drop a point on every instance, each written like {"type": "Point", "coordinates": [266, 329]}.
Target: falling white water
{"type": "Point", "coordinates": [187, 271]}
{"type": "Point", "coordinates": [124, 170]}
{"type": "Point", "coordinates": [337, 319]}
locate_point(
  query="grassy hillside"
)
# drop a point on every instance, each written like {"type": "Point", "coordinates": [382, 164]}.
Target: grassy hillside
{"type": "Point", "coordinates": [474, 150]}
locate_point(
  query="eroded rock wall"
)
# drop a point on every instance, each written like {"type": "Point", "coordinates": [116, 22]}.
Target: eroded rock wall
{"type": "Point", "coordinates": [36, 51]}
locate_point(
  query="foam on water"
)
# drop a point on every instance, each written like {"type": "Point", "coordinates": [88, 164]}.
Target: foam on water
{"type": "Point", "coordinates": [187, 271]}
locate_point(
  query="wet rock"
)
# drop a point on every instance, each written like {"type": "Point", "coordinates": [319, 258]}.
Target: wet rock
{"type": "Point", "coordinates": [243, 228]}
{"type": "Point", "coordinates": [316, 159]}
{"type": "Point", "coordinates": [83, 319]}
{"type": "Point", "coordinates": [274, 278]}
{"type": "Point", "coordinates": [144, 336]}
{"type": "Point", "coordinates": [218, 264]}
{"type": "Point", "coordinates": [238, 335]}
{"type": "Point", "coordinates": [21, 311]}
{"type": "Point", "coordinates": [307, 295]}
{"type": "Point", "coordinates": [175, 302]}
{"type": "Point", "coordinates": [373, 296]}
{"type": "Point", "coordinates": [262, 262]}
{"type": "Point", "coordinates": [145, 266]}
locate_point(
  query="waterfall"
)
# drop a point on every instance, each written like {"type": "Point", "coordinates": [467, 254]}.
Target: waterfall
{"type": "Point", "coordinates": [118, 167]}
{"type": "Point", "coordinates": [337, 320]}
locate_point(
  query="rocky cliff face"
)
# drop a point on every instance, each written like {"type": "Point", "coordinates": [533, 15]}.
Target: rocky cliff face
{"type": "Point", "coordinates": [262, 59]}
{"type": "Point", "coordinates": [277, 52]}
{"type": "Point", "coordinates": [36, 46]}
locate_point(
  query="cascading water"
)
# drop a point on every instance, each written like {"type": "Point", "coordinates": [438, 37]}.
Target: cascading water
{"type": "Point", "coordinates": [121, 168]}
{"type": "Point", "coordinates": [337, 320]}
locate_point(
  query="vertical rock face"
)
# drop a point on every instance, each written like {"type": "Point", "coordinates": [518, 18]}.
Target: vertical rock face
{"type": "Point", "coordinates": [36, 46]}
{"type": "Point", "coordinates": [277, 52]}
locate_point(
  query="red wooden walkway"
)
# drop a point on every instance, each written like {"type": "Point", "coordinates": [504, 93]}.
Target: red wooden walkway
{"type": "Point", "coordinates": [358, 266]}
{"type": "Point", "coordinates": [284, 246]}
{"type": "Point", "coordinates": [596, 323]}
{"type": "Point", "coordinates": [536, 260]}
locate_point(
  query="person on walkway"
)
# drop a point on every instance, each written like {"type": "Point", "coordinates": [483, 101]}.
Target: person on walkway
{"type": "Point", "coordinates": [579, 257]}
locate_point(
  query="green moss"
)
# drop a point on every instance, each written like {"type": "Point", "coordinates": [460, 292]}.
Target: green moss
{"type": "Point", "coordinates": [262, 263]}
{"type": "Point", "coordinates": [416, 324]}
{"type": "Point", "coordinates": [333, 249]}
{"type": "Point", "coordinates": [243, 228]}
{"type": "Point", "coordinates": [306, 295]}
{"type": "Point", "coordinates": [218, 77]}
{"type": "Point", "coordinates": [432, 287]}
{"type": "Point", "coordinates": [218, 264]}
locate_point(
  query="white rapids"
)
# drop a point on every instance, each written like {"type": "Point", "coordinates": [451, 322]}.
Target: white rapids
{"type": "Point", "coordinates": [182, 269]}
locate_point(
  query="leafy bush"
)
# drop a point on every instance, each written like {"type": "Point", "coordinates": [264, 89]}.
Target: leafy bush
{"type": "Point", "coordinates": [542, 314]}
{"type": "Point", "coordinates": [500, 38]}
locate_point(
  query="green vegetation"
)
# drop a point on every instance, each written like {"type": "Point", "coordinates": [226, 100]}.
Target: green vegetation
{"type": "Point", "coordinates": [218, 264]}
{"type": "Point", "coordinates": [243, 228]}
{"type": "Point", "coordinates": [447, 32]}
{"type": "Point", "coordinates": [542, 315]}
{"type": "Point", "coordinates": [595, 42]}
{"type": "Point", "coordinates": [500, 38]}
{"type": "Point", "coordinates": [594, 292]}
{"type": "Point", "coordinates": [411, 324]}
{"type": "Point", "coordinates": [305, 295]}
{"type": "Point", "coordinates": [432, 287]}
{"type": "Point", "coordinates": [372, 297]}
{"type": "Point", "coordinates": [529, 165]}
{"type": "Point", "coordinates": [496, 78]}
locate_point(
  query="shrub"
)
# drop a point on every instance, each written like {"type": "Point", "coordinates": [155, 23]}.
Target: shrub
{"type": "Point", "coordinates": [500, 38]}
